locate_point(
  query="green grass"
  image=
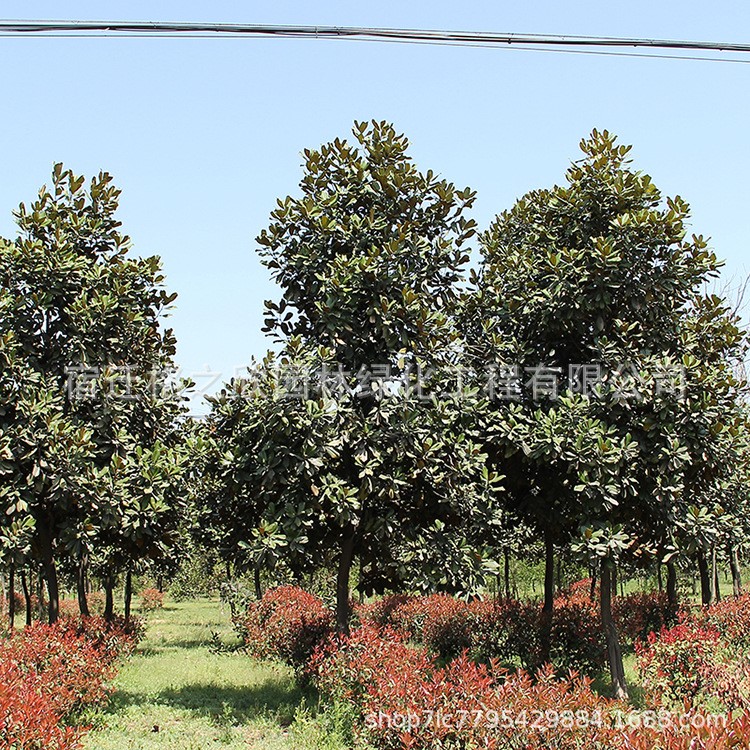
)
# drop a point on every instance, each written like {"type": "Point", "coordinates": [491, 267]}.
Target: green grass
{"type": "Point", "coordinates": [176, 693]}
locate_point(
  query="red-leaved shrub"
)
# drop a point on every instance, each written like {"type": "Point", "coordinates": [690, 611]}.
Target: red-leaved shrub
{"type": "Point", "coordinates": [65, 667]}
{"type": "Point", "coordinates": [402, 690]}
{"type": "Point", "coordinates": [398, 697]}
{"type": "Point", "coordinates": [379, 612]}
{"type": "Point", "coordinates": [402, 699]}
{"type": "Point", "coordinates": [508, 630]}
{"type": "Point", "coordinates": [694, 730]}
{"type": "Point", "coordinates": [445, 625]}
{"type": "Point", "coordinates": [637, 615]}
{"type": "Point", "coordinates": [20, 606]}
{"type": "Point", "coordinates": [731, 617]}
{"type": "Point", "coordinates": [50, 673]}
{"type": "Point", "coordinates": [690, 665]}
{"type": "Point", "coordinates": [113, 639]}
{"type": "Point", "coordinates": [287, 624]}
{"type": "Point", "coordinates": [28, 719]}
{"type": "Point", "coordinates": [505, 629]}
{"type": "Point", "coordinates": [576, 637]}
{"type": "Point", "coordinates": [151, 600]}
{"type": "Point", "coordinates": [348, 668]}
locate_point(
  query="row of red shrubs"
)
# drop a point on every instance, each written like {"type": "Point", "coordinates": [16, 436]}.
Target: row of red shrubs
{"type": "Point", "coordinates": [426, 672]}
{"type": "Point", "coordinates": [50, 674]}
{"type": "Point", "coordinates": [150, 600]}
{"type": "Point", "coordinates": [512, 631]}
{"type": "Point", "coordinates": [288, 623]}
{"type": "Point", "coordinates": [401, 699]}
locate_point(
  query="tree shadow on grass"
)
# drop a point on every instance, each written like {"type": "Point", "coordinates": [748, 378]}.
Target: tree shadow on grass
{"type": "Point", "coordinates": [225, 705]}
{"type": "Point", "coordinates": [175, 644]}
{"type": "Point", "coordinates": [231, 705]}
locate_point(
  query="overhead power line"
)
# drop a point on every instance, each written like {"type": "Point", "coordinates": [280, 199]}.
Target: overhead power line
{"type": "Point", "coordinates": [423, 36]}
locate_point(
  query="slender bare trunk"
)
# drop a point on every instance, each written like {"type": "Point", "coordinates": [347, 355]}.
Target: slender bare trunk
{"type": "Point", "coordinates": [12, 597]}
{"type": "Point", "coordinates": [37, 587]}
{"type": "Point", "coordinates": [26, 597]}
{"type": "Point", "coordinates": [614, 580]}
{"type": "Point", "coordinates": [506, 571]}
{"type": "Point", "coordinates": [734, 566]}
{"type": "Point", "coordinates": [705, 579]}
{"type": "Point", "coordinates": [672, 584]}
{"type": "Point", "coordinates": [592, 590]}
{"type": "Point", "coordinates": [614, 651]}
{"type": "Point", "coordinates": [109, 600]}
{"type": "Point", "coordinates": [83, 604]}
{"type": "Point", "coordinates": [549, 598]}
{"type": "Point", "coordinates": [128, 593]}
{"type": "Point", "coordinates": [342, 582]}
{"type": "Point", "coordinates": [549, 572]}
{"type": "Point", "coordinates": [715, 578]}
{"type": "Point", "coordinates": [256, 581]}
{"type": "Point", "coordinates": [49, 569]}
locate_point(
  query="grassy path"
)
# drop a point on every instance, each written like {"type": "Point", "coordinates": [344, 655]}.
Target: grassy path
{"type": "Point", "coordinates": [175, 693]}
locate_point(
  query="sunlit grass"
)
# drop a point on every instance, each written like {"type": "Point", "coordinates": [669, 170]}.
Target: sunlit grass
{"type": "Point", "coordinates": [176, 693]}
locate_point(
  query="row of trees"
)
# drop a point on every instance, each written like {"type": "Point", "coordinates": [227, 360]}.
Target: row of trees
{"type": "Point", "coordinates": [92, 466]}
{"type": "Point", "coordinates": [582, 386]}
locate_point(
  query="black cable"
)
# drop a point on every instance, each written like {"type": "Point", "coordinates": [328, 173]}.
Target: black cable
{"type": "Point", "coordinates": [148, 28]}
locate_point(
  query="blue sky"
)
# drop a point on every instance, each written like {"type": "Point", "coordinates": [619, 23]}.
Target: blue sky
{"type": "Point", "coordinates": [202, 135]}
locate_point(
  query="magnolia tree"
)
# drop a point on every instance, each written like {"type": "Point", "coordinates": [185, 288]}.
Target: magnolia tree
{"type": "Point", "coordinates": [82, 347]}
{"type": "Point", "coordinates": [628, 400]}
{"type": "Point", "coordinates": [345, 457]}
{"type": "Point", "coordinates": [312, 482]}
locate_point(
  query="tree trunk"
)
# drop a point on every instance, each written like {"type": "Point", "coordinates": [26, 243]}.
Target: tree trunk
{"type": "Point", "coordinates": [83, 604]}
{"type": "Point", "coordinates": [705, 578]}
{"type": "Point", "coordinates": [109, 602]}
{"type": "Point", "coordinates": [256, 581]}
{"type": "Point", "coordinates": [715, 578]}
{"type": "Point", "coordinates": [506, 571]}
{"type": "Point", "coordinates": [41, 603]}
{"type": "Point", "coordinates": [49, 568]}
{"type": "Point", "coordinates": [549, 597]}
{"type": "Point", "coordinates": [734, 566]}
{"type": "Point", "coordinates": [12, 597]}
{"type": "Point", "coordinates": [26, 597]}
{"type": "Point", "coordinates": [128, 594]}
{"type": "Point", "coordinates": [160, 583]}
{"type": "Point", "coordinates": [672, 584]}
{"type": "Point", "coordinates": [549, 572]}
{"type": "Point", "coordinates": [614, 580]}
{"type": "Point", "coordinates": [592, 590]}
{"type": "Point", "coordinates": [614, 652]}
{"type": "Point", "coordinates": [659, 579]}
{"type": "Point", "coordinates": [342, 582]}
